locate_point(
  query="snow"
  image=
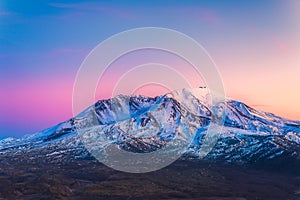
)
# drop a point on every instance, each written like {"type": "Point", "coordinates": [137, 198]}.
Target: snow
{"type": "Point", "coordinates": [183, 115]}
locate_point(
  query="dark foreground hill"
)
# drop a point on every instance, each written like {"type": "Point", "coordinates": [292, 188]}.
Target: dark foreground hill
{"type": "Point", "coordinates": [184, 179]}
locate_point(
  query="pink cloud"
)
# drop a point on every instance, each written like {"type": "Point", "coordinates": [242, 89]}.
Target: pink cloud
{"type": "Point", "coordinates": [203, 14]}
{"type": "Point", "coordinates": [283, 44]}
{"type": "Point", "coordinates": [283, 47]}
{"type": "Point", "coordinates": [208, 16]}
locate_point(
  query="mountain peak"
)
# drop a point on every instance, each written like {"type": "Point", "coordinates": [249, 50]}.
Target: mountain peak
{"type": "Point", "coordinates": [146, 124]}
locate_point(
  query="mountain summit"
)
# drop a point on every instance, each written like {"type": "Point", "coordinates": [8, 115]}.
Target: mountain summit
{"type": "Point", "coordinates": [141, 124]}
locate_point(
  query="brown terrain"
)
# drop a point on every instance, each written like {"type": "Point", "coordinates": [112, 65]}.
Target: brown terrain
{"type": "Point", "coordinates": [184, 179]}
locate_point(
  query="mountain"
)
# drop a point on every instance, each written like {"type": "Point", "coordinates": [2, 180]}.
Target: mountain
{"type": "Point", "coordinates": [186, 120]}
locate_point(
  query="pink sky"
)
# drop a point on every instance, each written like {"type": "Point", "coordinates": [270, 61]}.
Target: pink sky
{"type": "Point", "coordinates": [255, 45]}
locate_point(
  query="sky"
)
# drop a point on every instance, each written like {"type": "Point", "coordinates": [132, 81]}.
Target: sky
{"type": "Point", "coordinates": [254, 44]}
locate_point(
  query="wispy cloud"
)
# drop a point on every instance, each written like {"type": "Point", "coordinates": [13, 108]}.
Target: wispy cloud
{"type": "Point", "coordinates": [3, 55]}
{"type": "Point", "coordinates": [96, 7]}
{"type": "Point", "coordinates": [6, 13]}
{"type": "Point", "coordinates": [207, 15]}
{"type": "Point", "coordinates": [260, 105]}
{"type": "Point", "coordinates": [283, 46]}
{"type": "Point", "coordinates": [64, 50]}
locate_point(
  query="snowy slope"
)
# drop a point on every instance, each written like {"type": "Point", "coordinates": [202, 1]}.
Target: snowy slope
{"type": "Point", "coordinates": [142, 124]}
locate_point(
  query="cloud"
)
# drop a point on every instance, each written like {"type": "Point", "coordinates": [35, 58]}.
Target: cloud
{"type": "Point", "coordinates": [61, 51]}
{"type": "Point", "coordinates": [6, 13]}
{"type": "Point", "coordinates": [63, 5]}
{"type": "Point", "coordinates": [95, 7]}
{"type": "Point", "coordinates": [199, 13]}
{"type": "Point", "coordinates": [260, 105]}
{"type": "Point", "coordinates": [207, 15]}
{"type": "Point", "coordinates": [283, 47]}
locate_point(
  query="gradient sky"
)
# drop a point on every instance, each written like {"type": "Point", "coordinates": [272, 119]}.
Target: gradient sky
{"type": "Point", "coordinates": [255, 44]}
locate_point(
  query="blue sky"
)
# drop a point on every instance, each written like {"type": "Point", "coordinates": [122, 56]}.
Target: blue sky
{"type": "Point", "coordinates": [42, 44]}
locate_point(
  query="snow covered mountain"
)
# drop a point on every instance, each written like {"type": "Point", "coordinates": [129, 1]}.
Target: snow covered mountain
{"type": "Point", "coordinates": [142, 124]}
